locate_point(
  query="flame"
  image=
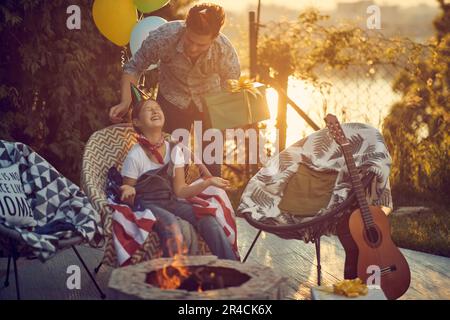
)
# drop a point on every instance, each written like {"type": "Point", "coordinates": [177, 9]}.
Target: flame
{"type": "Point", "coordinates": [172, 275]}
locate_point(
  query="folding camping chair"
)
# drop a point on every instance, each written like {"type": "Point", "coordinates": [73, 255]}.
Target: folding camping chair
{"type": "Point", "coordinates": [16, 248]}
{"type": "Point", "coordinates": [11, 241]}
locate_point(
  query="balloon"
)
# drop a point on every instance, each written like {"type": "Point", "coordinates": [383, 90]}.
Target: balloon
{"type": "Point", "coordinates": [147, 6]}
{"type": "Point", "coordinates": [115, 19]}
{"type": "Point", "coordinates": [141, 30]}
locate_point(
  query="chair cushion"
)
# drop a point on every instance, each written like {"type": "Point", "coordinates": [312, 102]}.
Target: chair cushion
{"type": "Point", "coordinates": [14, 207]}
{"type": "Point", "coordinates": [307, 191]}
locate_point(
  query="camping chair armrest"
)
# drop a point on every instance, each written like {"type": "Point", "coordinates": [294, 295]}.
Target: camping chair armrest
{"type": "Point", "coordinates": [14, 235]}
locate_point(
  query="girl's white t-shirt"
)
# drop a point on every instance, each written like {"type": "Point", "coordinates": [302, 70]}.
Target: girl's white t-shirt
{"type": "Point", "coordinates": [137, 162]}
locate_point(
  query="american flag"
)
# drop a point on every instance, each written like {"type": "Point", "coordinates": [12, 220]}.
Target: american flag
{"type": "Point", "coordinates": [214, 201]}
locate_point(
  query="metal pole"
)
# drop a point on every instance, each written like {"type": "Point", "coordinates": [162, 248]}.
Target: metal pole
{"type": "Point", "coordinates": [252, 44]}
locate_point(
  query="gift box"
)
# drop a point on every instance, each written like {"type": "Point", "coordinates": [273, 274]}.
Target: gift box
{"type": "Point", "coordinates": [242, 104]}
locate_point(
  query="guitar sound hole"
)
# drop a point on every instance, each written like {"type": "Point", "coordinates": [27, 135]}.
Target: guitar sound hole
{"type": "Point", "coordinates": [373, 235]}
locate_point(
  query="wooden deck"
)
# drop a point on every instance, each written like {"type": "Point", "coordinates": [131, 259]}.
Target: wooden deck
{"type": "Point", "coordinates": [290, 258]}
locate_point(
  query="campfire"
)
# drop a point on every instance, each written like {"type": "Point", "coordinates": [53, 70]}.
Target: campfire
{"type": "Point", "coordinates": [196, 277]}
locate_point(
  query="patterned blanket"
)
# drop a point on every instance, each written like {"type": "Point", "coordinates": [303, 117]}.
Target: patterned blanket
{"type": "Point", "coordinates": [214, 201]}
{"type": "Point", "coordinates": [320, 152]}
{"type": "Point", "coordinates": [59, 206]}
{"type": "Point", "coordinates": [130, 228]}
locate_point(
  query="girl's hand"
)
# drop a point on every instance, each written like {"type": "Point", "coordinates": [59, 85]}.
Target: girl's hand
{"type": "Point", "coordinates": [219, 182]}
{"type": "Point", "coordinates": [128, 194]}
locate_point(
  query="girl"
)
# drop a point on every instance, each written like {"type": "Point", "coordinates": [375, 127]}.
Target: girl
{"type": "Point", "coordinates": [153, 177]}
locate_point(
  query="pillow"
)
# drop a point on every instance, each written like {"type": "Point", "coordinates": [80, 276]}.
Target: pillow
{"type": "Point", "coordinates": [307, 191]}
{"type": "Point", "coordinates": [14, 207]}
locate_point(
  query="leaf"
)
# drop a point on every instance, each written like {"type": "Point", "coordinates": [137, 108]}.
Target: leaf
{"type": "Point", "coordinates": [373, 157]}
{"type": "Point", "coordinates": [306, 161]}
{"type": "Point", "coordinates": [260, 198]}
{"type": "Point", "coordinates": [300, 143]}
{"type": "Point", "coordinates": [370, 148]}
{"type": "Point", "coordinates": [264, 178]}
{"type": "Point", "coordinates": [355, 141]}
{"type": "Point", "coordinates": [285, 160]}
{"type": "Point", "coordinates": [322, 143]}
{"type": "Point", "coordinates": [380, 138]}
{"type": "Point", "coordinates": [356, 126]}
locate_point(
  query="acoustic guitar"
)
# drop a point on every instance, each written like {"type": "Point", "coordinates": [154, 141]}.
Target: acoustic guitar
{"type": "Point", "coordinates": [370, 230]}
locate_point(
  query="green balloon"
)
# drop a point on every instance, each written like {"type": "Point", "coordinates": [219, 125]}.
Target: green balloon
{"type": "Point", "coordinates": [147, 6]}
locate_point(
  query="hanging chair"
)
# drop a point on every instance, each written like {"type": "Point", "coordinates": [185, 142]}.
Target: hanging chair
{"type": "Point", "coordinates": [261, 199]}
{"type": "Point", "coordinates": [310, 229]}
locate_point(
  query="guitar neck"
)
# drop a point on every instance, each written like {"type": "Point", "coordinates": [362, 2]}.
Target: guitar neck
{"type": "Point", "coordinates": [357, 185]}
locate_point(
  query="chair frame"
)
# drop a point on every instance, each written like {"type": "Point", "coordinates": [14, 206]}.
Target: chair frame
{"type": "Point", "coordinates": [15, 239]}
{"type": "Point", "coordinates": [314, 223]}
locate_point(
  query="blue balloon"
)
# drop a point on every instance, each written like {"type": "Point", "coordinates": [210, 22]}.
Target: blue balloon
{"type": "Point", "coordinates": [141, 31]}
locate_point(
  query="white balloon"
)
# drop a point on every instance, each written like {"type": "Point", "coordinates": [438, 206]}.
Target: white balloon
{"type": "Point", "coordinates": [140, 33]}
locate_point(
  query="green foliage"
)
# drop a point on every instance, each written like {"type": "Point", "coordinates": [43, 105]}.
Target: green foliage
{"type": "Point", "coordinates": [427, 232]}
{"type": "Point", "coordinates": [417, 129]}
{"type": "Point", "coordinates": [56, 84]}
{"type": "Point", "coordinates": [305, 47]}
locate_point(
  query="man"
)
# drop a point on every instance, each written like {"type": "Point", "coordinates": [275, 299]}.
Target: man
{"type": "Point", "coordinates": [195, 59]}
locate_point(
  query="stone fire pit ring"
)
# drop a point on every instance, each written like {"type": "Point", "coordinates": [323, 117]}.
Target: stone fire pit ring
{"type": "Point", "coordinates": [262, 284]}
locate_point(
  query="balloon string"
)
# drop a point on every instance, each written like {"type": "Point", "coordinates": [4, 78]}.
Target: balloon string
{"type": "Point", "coordinates": [124, 56]}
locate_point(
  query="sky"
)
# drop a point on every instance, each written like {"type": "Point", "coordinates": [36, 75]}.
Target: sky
{"type": "Point", "coordinates": [239, 5]}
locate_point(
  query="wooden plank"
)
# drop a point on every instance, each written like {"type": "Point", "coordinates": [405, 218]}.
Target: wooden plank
{"type": "Point", "coordinates": [39, 280]}
{"type": "Point", "coordinates": [430, 273]}
{"type": "Point", "coordinates": [290, 258]}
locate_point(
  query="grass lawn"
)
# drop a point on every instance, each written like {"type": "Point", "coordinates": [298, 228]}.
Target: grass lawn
{"type": "Point", "coordinates": [427, 232]}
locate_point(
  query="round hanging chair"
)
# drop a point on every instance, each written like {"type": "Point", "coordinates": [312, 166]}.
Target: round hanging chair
{"type": "Point", "coordinates": [309, 229]}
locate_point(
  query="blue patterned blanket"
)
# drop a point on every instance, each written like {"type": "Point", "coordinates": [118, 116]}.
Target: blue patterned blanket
{"type": "Point", "coordinates": [60, 208]}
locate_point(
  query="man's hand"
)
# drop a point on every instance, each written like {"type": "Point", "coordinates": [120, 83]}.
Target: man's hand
{"type": "Point", "coordinates": [117, 112]}
{"type": "Point", "coordinates": [128, 194]}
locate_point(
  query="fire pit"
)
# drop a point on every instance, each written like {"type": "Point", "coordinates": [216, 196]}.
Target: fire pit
{"type": "Point", "coordinates": [196, 277]}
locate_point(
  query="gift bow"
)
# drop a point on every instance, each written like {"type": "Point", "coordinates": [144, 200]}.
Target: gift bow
{"type": "Point", "coordinates": [245, 85]}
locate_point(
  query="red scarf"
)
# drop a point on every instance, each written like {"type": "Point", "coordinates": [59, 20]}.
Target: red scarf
{"type": "Point", "coordinates": [152, 148]}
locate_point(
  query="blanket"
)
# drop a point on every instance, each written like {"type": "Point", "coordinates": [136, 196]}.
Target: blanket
{"type": "Point", "coordinates": [130, 228]}
{"type": "Point", "coordinates": [320, 152]}
{"type": "Point", "coordinates": [215, 202]}
{"type": "Point", "coordinates": [60, 208]}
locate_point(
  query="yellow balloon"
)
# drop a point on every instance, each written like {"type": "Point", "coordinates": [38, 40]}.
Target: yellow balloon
{"type": "Point", "coordinates": [115, 19]}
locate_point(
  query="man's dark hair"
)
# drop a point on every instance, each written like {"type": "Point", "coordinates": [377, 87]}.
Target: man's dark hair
{"type": "Point", "coordinates": [206, 19]}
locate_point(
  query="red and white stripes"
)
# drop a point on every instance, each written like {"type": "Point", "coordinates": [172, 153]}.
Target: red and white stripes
{"type": "Point", "coordinates": [130, 230]}
{"type": "Point", "coordinates": [215, 202]}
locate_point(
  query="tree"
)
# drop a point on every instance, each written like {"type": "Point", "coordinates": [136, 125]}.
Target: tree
{"type": "Point", "coordinates": [310, 48]}
{"type": "Point", "coordinates": [417, 128]}
{"type": "Point", "coordinates": [56, 84]}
